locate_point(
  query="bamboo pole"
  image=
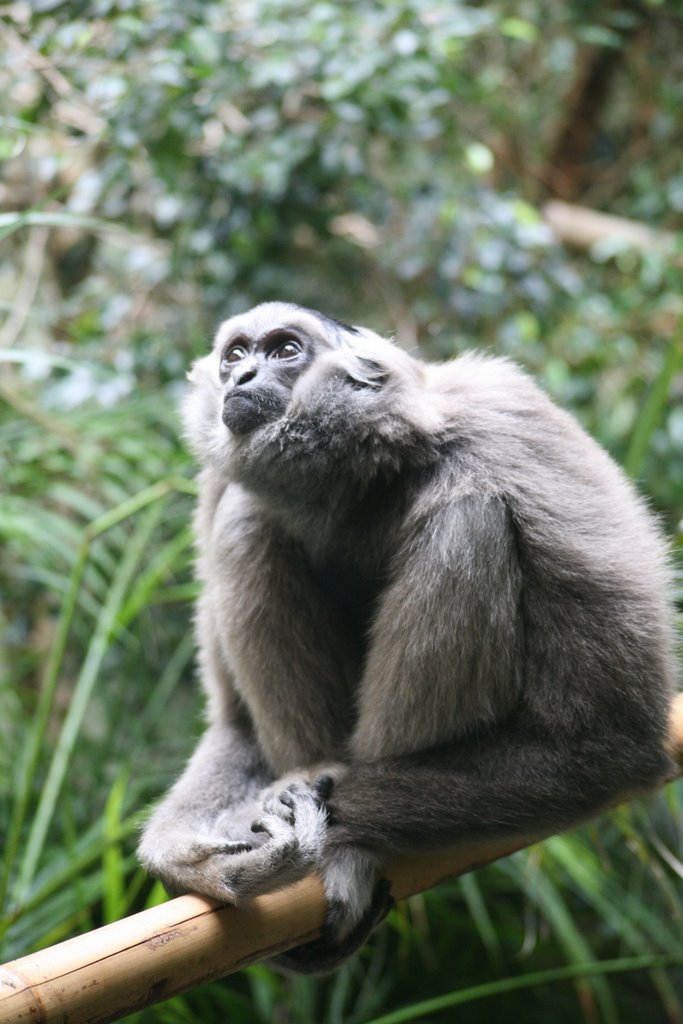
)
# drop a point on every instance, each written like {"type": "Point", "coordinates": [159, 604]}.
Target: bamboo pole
{"type": "Point", "coordinates": [110, 972]}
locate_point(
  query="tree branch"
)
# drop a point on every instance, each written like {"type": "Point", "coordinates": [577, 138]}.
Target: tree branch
{"type": "Point", "coordinates": [582, 227]}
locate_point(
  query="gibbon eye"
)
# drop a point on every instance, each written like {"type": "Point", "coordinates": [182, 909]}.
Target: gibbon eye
{"type": "Point", "coordinates": [233, 355]}
{"type": "Point", "coordinates": [286, 350]}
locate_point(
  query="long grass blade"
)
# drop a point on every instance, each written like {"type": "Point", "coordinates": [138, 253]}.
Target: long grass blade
{"type": "Point", "coordinates": [36, 737]}
{"type": "Point", "coordinates": [487, 990]}
{"type": "Point", "coordinates": [80, 698]}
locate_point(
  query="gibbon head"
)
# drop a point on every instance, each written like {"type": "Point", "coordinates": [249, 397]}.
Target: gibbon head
{"type": "Point", "coordinates": [266, 363]}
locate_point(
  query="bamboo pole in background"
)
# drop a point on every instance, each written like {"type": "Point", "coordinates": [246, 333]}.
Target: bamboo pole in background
{"type": "Point", "coordinates": [108, 973]}
{"type": "Point", "coordinates": [582, 227]}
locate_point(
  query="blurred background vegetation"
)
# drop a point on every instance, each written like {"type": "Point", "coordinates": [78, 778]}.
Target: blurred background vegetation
{"type": "Point", "coordinates": [166, 163]}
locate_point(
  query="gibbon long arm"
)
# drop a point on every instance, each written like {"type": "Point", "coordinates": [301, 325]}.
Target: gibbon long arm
{"type": "Point", "coordinates": [144, 959]}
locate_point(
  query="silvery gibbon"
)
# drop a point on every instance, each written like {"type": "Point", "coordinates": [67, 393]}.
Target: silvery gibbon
{"type": "Point", "coordinates": [433, 610]}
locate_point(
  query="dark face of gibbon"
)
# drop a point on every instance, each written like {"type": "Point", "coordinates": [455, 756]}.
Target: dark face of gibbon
{"type": "Point", "coordinates": [258, 375]}
{"type": "Point", "coordinates": [261, 356]}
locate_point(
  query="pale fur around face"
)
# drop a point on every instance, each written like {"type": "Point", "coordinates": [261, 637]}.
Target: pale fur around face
{"type": "Point", "coordinates": [429, 598]}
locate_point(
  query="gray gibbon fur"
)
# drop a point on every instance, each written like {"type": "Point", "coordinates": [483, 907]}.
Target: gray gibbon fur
{"type": "Point", "coordinates": [433, 610]}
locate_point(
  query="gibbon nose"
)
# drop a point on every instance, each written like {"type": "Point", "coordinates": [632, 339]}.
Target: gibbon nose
{"type": "Point", "coordinates": [246, 372]}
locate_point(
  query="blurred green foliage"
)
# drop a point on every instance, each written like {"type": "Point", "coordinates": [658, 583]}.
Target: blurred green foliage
{"type": "Point", "coordinates": [167, 163]}
{"type": "Point", "coordinates": [383, 161]}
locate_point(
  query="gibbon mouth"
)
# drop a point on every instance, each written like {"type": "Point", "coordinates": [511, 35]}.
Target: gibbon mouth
{"type": "Point", "coordinates": [265, 398]}
{"type": "Point", "coordinates": [237, 402]}
{"type": "Point", "coordinates": [246, 408]}
{"type": "Point", "coordinates": [243, 394]}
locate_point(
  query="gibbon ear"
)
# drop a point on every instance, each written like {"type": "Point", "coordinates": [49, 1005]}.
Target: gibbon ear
{"type": "Point", "coordinates": [364, 372]}
{"type": "Point", "coordinates": [362, 359]}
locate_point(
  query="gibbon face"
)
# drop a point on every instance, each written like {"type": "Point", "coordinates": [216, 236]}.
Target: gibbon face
{"type": "Point", "coordinates": [261, 355]}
